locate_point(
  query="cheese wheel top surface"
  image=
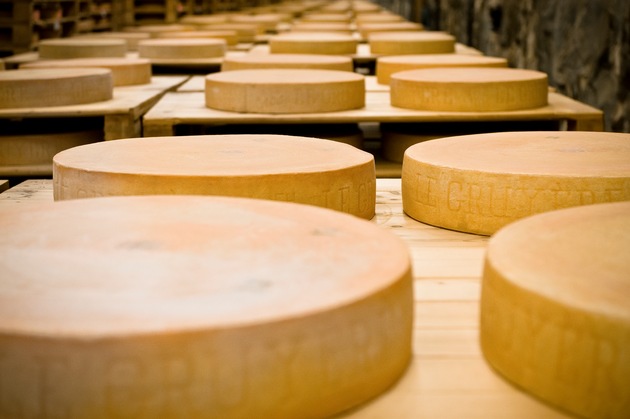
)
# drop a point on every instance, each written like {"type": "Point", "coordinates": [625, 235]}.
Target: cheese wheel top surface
{"type": "Point", "coordinates": [417, 36]}
{"type": "Point", "coordinates": [217, 155]}
{"type": "Point", "coordinates": [117, 266]}
{"type": "Point", "coordinates": [107, 62]}
{"type": "Point", "coordinates": [51, 74]}
{"type": "Point", "coordinates": [83, 42]}
{"type": "Point", "coordinates": [285, 76]}
{"type": "Point", "coordinates": [478, 75]}
{"type": "Point", "coordinates": [182, 42]}
{"type": "Point", "coordinates": [313, 37]}
{"type": "Point", "coordinates": [437, 60]}
{"type": "Point", "coordinates": [289, 60]}
{"type": "Point", "coordinates": [575, 256]}
{"type": "Point", "coordinates": [563, 153]}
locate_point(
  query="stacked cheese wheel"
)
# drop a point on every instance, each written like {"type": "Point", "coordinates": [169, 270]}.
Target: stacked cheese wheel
{"type": "Point", "coordinates": [175, 50]}
{"type": "Point", "coordinates": [313, 43]}
{"type": "Point", "coordinates": [419, 42]}
{"type": "Point", "coordinates": [279, 91]}
{"type": "Point", "coordinates": [555, 317]}
{"type": "Point", "coordinates": [284, 168]}
{"type": "Point", "coordinates": [312, 61]}
{"type": "Point", "coordinates": [230, 37]}
{"type": "Point", "coordinates": [204, 307]}
{"type": "Point", "coordinates": [130, 38]}
{"type": "Point", "coordinates": [125, 71]}
{"type": "Point", "coordinates": [479, 183]}
{"type": "Point", "coordinates": [54, 87]}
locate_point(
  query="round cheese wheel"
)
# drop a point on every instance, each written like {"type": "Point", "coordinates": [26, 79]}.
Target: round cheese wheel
{"type": "Point", "coordinates": [313, 61]}
{"type": "Point", "coordinates": [386, 66]}
{"type": "Point", "coordinates": [555, 318]}
{"type": "Point", "coordinates": [125, 71]}
{"type": "Point", "coordinates": [313, 43]}
{"type": "Point", "coordinates": [181, 49]}
{"type": "Point", "coordinates": [202, 20]}
{"type": "Point", "coordinates": [469, 89]}
{"type": "Point", "coordinates": [131, 38]}
{"type": "Point", "coordinates": [265, 22]}
{"type": "Point", "coordinates": [479, 183]}
{"type": "Point", "coordinates": [81, 48]}
{"type": "Point", "coordinates": [419, 42]}
{"type": "Point", "coordinates": [343, 28]}
{"type": "Point", "coordinates": [199, 307]}
{"type": "Point", "coordinates": [277, 91]}
{"type": "Point", "coordinates": [367, 28]}
{"type": "Point", "coordinates": [54, 87]}
{"type": "Point", "coordinates": [230, 37]}
{"type": "Point", "coordinates": [326, 17]}
{"type": "Point", "coordinates": [283, 168]}
{"type": "Point", "coordinates": [155, 30]}
{"type": "Point", "coordinates": [245, 32]}
{"type": "Point", "coordinates": [378, 18]}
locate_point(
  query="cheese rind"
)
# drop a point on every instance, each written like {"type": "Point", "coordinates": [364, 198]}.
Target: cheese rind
{"type": "Point", "coordinates": [280, 91]}
{"type": "Point", "coordinates": [419, 42]}
{"type": "Point", "coordinates": [239, 307]}
{"type": "Point", "coordinates": [386, 66]}
{"type": "Point", "coordinates": [125, 71]}
{"type": "Point", "coordinates": [304, 61]}
{"type": "Point", "coordinates": [283, 168]}
{"type": "Point", "coordinates": [81, 48]}
{"type": "Point", "coordinates": [54, 87]}
{"type": "Point", "coordinates": [469, 89]}
{"type": "Point", "coordinates": [230, 37]}
{"type": "Point", "coordinates": [181, 49]}
{"type": "Point", "coordinates": [480, 183]}
{"type": "Point", "coordinates": [313, 43]}
{"type": "Point", "coordinates": [555, 318]}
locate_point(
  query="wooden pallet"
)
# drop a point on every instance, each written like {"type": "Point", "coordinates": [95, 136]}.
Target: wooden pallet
{"type": "Point", "coordinates": [189, 108]}
{"type": "Point", "coordinates": [448, 377]}
{"type": "Point", "coordinates": [122, 115]}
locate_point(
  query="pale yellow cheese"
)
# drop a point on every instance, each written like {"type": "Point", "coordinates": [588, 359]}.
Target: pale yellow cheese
{"type": "Point", "coordinates": [131, 38]}
{"type": "Point", "coordinates": [32, 154]}
{"type": "Point", "coordinates": [479, 183]}
{"type": "Point", "coordinates": [267, 22]}
{"type": "Point", "coordinates": [278, 91]}
{"type": "Point", "coordinates": [230, 37]}
{"type": "Point", "coordinates": [246, 32]}
{"type": "Point", "coordinates": [54, 87]}
{"type": "Point", "coordinates": [322, 62]}
{"type": "Point", "coordinates": [181, 49]}
{"type": "Point", "coordinates": [322, 27]}
{"type": "Point", "coordinates": [469, 89]}
{"type": "Point", "coordinates": [326, 17]}
{"type": "Point", "coordinates": [198, 307]}
{"type": "Point", "coordinates": [555, 317]}
{"type": "Point", "coordinates": [313, 43]}
{"type": "Point", "coordinates": [386, 66]}
{"type": "Point", "coordinates": [284, 168]}
{"type": "Point", "coordinates": [125, 71]}
{"type": "Point", "coordinates": [64, 48]}
{"type": "Point", "coordinates": [202, 20]}
{"type": "Point", "coordinates": [381, 17]}
{"type": "Point", "coordinates": [418, 42]}
{"type": "Point", "coordinates": [155, 30]}
{"type": "Point", "coordinates": [367, 28]}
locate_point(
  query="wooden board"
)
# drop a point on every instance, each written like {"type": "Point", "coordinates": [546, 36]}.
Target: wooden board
{"type": "Point", "coordinates": [4, 185]}
{"type": "Point", "coordinates": [122, 115]}
{"type": "Point", "coordinates": [448, 377]}
{"type": "Point", "coordinates": [189, 108]}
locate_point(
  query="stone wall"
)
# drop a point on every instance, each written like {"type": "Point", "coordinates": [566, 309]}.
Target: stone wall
{"type": "Point", "coordinates": [583, 45]}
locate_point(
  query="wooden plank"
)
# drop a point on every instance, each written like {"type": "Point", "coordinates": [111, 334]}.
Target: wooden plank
{"type": "Point", "coordinates": [4, 185]}
{"type": "Point", "coordinates": [447, 376]}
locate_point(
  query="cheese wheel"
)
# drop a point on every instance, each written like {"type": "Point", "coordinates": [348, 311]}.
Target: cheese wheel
{"type": "Point", "coordinates": [322, 62]}
{"type": "Point", "coordinates": [230, 37]}
{"type": "Point", "coordinates": [386, 66]}
{"type": "Point", "coordinates": [279, 91]}
{"type": "Point", "coordinates": [283, 168]}
{"type": "Point", "coordinates": [181, 49]}
{"type": "Point", "coordinates": [326, 17]}
{"type": "Point", "coordinates": [419, 42]}
{"type": "Point", "coordinates": [202, 20]}
{"type": "Point", "coordinates": [81, 48]}
{"type": "Point", "coordinates": [265, 22]}
{"type": "Point", "coordinates": [378, 18]}
{"type": "Point", "coordinates": [343, 28]}
{"type": "Point", "coordinates": [479, 183]}
{"type": "Point", "coordinates": [198, 307]}
{"type": "Point", "coordinates": [313, 43]}
{"type": "Point", "coordinates": [155, 30]}
{"type": "Point", "coordinates": [125, 71]}
{"type": "Point", "coordinates": [469, 89]}
{"type": "Point", "coordinates": [54, 87]}
{"type": "Point", "coordinates": [555, 318]}
{"type": "Point", "coordinates": [245, 32]}
{"type": "Point", "coordinates": [367, 28]}
{"type": "Point", "coordinates": [131, 38]}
